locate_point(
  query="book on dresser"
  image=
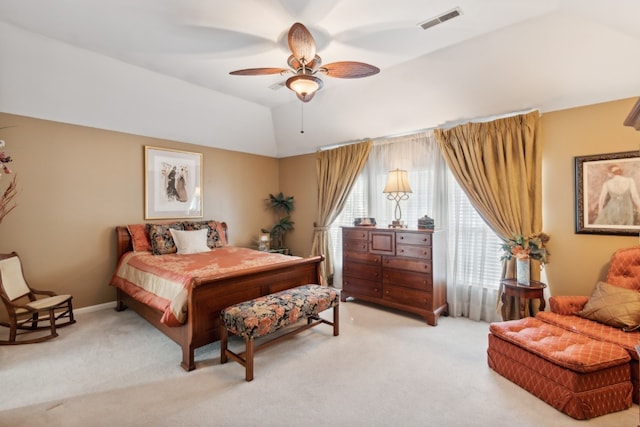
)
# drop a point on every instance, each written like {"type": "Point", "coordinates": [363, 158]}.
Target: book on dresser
{"type": "Point", "coordinates": [400, 268]}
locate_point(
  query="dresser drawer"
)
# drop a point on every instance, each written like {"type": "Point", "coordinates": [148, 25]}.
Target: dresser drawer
{"type": "Point", "coordinates": [413, 238]}
{"type": "Point", "coordinates": [350, 245]}
{"type": "Point", "coordinates": [363, 257]}
{"type": "Point", "coordinates": [407, 296]}
{"type": "Point", "coordinates": [414, 251]}
{"type": "Point", "coordinates": [358, 269]}
{"type": "Point", "coordinates": [355, 234]}
{"type": "Point", "coordinates": [361, 286]}
{"type": "Point", "coordinates": [417, 281]}
{"type": "Point", "coordinates": [418, 265]}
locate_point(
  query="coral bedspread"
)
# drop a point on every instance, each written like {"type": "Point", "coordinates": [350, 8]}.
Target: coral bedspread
{"type": "Point", "coordinates": [163, 281]}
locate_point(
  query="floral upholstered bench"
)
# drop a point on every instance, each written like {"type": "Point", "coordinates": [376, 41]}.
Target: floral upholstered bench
{"type": "Point", "coordinates": [580, 376]}
{"type": "Point", "coordinates": [265, 315]}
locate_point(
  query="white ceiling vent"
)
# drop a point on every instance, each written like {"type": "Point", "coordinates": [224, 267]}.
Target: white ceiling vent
{"type": "Point", "coordinates": [441, 18]}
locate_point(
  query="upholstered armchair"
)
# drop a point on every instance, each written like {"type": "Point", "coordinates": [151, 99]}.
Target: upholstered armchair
{"type": "Point", "coordinates": [611, 313]}
{"type": "Point", "coordinates": [624, 272]}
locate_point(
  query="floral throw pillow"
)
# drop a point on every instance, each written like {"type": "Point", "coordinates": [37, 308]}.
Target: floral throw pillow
{"type": "Point", "coordinates": [161, 240]}
{"type": "Point", "coordinates": [613, 306]}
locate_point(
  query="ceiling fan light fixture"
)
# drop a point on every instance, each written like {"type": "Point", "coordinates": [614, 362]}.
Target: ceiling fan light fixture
{"type": "Point", "coordinates": [305, 98]}
{"type": "Point", "coordinates": [304, 86]}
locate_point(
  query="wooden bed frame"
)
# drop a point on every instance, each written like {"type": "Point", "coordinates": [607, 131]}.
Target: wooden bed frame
{"type": "Point", "coordinates": [207, 298]}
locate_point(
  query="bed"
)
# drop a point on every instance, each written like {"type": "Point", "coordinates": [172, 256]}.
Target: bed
{"type": "Point", "coordinates": [205, 292]}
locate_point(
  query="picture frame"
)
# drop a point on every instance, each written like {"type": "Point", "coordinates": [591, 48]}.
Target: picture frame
{"type": "Point", "coordinates": [606, 194]}
{"type": "Point", "coordinates": [172, 183]}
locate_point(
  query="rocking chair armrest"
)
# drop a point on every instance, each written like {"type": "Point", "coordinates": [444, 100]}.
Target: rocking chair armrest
{"type": "Point", "coordinates": [47, 293]}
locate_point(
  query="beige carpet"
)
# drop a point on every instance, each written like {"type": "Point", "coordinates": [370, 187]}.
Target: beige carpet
{"type": "Point", "coordinates": [386, 368]}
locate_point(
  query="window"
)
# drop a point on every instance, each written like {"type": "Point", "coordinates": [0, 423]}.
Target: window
{"type": "Point", "coordinates": [473, 248]}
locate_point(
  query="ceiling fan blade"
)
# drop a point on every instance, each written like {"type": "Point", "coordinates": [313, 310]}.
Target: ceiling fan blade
{"type": "Point", "coordinates": [349, 69]}
{"type": "Point", "coordinates": [301, 43]}
{"type": "Point", "coordinates": [277, 86]}
{"type": "Point", "coordinates": [258, 71]}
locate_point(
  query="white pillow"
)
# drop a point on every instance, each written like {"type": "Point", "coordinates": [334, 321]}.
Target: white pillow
{"type": "Point", "coordinates": [190, 242]}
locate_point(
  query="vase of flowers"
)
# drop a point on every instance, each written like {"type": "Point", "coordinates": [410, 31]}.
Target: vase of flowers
{"type": "Point", "coordinates": [524, 249]}
{"type": "Point", "coordinates": [523, 271]}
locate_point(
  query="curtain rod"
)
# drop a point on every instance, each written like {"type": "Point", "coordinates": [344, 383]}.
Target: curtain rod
{"type": "Point", "coordinates": [447, 125]}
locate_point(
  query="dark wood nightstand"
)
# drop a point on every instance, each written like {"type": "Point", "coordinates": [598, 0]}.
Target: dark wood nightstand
{"type": "Point", "coordinates": [511, 288]}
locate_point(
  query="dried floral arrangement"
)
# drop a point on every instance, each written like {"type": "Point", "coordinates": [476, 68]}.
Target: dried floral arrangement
{"type": "Point", "coordinates": [7, 203]}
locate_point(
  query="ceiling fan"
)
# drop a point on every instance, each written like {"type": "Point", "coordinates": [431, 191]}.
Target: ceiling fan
{"type": "Point", "coordinates": [304, 63]}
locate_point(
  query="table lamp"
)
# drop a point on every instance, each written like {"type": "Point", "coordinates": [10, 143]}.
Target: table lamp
{"type": "Point", "coordinates": [396, 189]}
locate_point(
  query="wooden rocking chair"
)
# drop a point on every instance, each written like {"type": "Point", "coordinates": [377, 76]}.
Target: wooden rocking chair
{"type": "Point", "coordinates": [25, 308]}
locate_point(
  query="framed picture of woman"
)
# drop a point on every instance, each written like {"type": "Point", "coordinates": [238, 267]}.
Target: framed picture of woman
{"type": "Point", "coordinates": [172, 184]}
{"type": "Point", "coordinates": [607, 188]}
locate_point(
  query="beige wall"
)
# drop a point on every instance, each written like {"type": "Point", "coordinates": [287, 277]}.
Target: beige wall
{"type": "Point", "coordinates": [298, 179]}
{"type": "Point", "coordinates": [75, 184]}
{"type": "Point", "coordinates": [578, 261]}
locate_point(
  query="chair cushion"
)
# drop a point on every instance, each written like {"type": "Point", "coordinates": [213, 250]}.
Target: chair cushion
{"type": "Point", "coordinates": [45, 303]}
{"type": "Point", "coordinates": [597, 331]}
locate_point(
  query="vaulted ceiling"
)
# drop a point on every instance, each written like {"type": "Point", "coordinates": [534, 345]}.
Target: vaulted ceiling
{"type": "Point", "coordinates": [161, 67]}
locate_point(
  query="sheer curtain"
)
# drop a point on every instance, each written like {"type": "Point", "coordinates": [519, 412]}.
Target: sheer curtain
{"type": "Point", "coordinates": [474, 260]}
{"type": "Point", "coordinates": [499, 165]}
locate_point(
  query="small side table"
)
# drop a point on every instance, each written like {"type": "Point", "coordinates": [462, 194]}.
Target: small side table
{"type": "Point", "coordinates": [511, 288]}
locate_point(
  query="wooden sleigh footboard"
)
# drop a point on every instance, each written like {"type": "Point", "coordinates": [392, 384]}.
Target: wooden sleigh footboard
{"type": "Point", "coordinates": [207, 298]}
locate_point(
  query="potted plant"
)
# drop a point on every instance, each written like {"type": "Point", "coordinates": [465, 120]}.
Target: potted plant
{"type": "Point", "coordinates": [282, 206]}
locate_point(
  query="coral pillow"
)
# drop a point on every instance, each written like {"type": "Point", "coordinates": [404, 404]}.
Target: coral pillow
{"type": "Point", "coordinates": [190, 242]}
{"type": "Point", "coordinates": [613, 306]}
{"type": "Point", "coordinates": [139, 237]}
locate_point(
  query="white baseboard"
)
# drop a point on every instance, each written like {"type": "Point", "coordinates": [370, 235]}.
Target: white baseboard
{"type": "Point", "coordinates": [93, 308]}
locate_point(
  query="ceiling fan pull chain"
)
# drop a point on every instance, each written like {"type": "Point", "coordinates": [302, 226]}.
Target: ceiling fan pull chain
{"type": "Point", "coordinates": [302, 117]}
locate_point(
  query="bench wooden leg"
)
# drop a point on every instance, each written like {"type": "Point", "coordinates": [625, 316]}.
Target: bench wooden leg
{"type": "Point", "coordinates": [248, 359]}
{"type": "Point", "coordinates": [224, 339]}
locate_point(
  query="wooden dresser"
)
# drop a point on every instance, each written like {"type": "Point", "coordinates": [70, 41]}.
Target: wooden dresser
{"type": "Point", "coordinates": [399, 268]}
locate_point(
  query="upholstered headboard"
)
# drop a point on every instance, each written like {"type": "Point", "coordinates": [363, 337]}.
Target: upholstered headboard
{"type": "Point", "coordinates": [624, 269]}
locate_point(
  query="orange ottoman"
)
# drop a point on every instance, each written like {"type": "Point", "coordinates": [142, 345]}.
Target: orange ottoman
{"type": "Point", "coordinates": [577, 375]}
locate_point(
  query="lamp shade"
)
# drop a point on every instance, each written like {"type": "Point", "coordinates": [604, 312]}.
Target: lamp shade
{"type": "Point", "coordinates": [397, 182]}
